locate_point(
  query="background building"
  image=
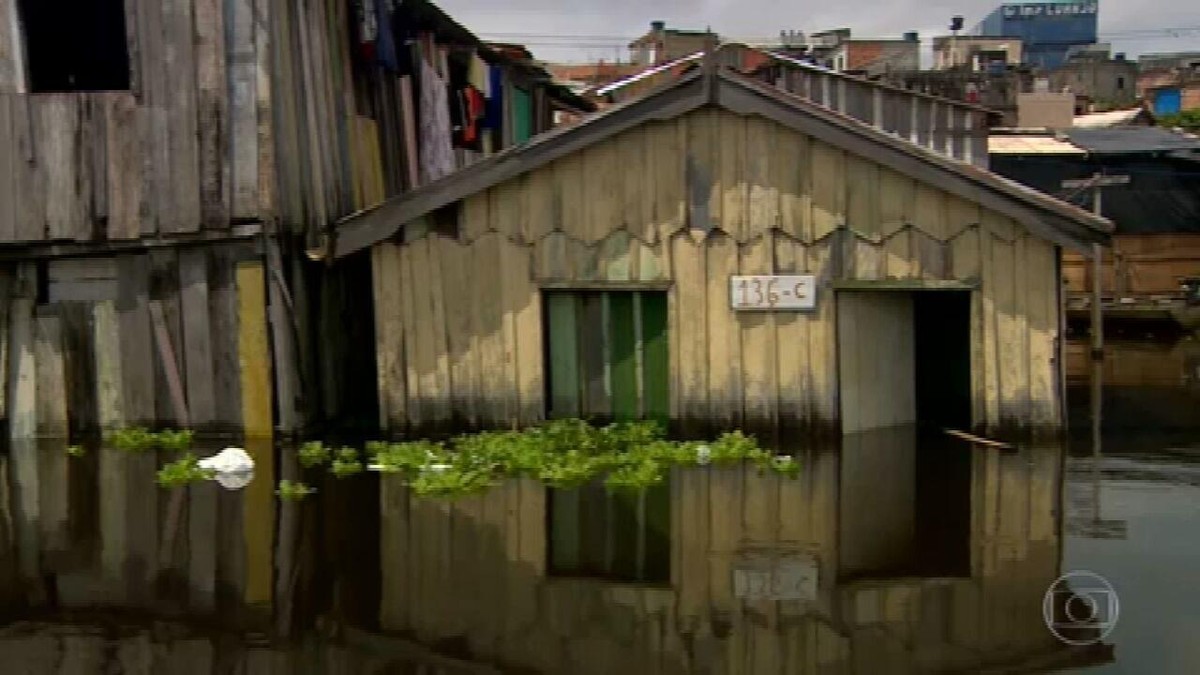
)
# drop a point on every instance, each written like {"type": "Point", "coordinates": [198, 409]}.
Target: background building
{"type": "Point", "coordinates": [1047, 29]}
{"type": "Point", "coordinates": [975, 52]}
{"type": "Point", "coordinates": [1100, 81]}
{"type": "Point", "coordinates": [662, 44]}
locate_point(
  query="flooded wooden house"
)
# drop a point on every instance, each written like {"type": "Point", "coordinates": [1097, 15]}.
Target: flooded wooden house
{"type": "Point", "coordinates": [720, 253]}
{"type": "Point", "coordinates": [168, 173]}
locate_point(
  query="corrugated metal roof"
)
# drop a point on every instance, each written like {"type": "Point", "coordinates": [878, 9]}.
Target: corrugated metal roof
{"type": "Point", "coordinates": [1031, 145]}
{"type": "Point", "coordinates": [1132, 140]}
{"type": "Point", "coordinates": [1103, 120]}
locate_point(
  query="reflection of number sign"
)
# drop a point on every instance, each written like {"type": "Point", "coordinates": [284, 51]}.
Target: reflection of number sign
{"type": "Point", "coordinates": [792, 578]}
{"type": "Point", "coordinates": [773, 292]}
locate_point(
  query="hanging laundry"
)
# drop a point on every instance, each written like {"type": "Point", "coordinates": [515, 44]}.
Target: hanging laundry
{"type": "Point", "coordinates": [467, 117]}
{"type": "Point", "coordinates": [495, 105]}
{"type": "Point", "coordinates": [367, 21]}
{"type": "Point", "coordinates": [385, 48]}
{"type": "Point", "coordinates": [478, 75]}
{"type": "Point", "coordinates": [437, 151]}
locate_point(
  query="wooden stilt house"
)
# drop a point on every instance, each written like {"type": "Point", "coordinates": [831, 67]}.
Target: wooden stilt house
{"type": "Point", "coordinates": [167, 168]}
{"type": "Point", "coordinates": [720, 253]}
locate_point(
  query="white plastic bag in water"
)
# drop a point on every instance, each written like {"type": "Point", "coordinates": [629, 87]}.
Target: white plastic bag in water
{"type": "Point", "coordinates": [234, 468]}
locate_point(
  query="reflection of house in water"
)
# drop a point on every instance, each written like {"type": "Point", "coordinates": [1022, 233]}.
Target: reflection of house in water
{"type": "Point", "coordinates": [890, 556]}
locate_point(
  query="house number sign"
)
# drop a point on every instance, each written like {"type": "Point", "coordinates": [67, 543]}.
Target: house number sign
{"type": "Point", "coordinates": [773, 292]}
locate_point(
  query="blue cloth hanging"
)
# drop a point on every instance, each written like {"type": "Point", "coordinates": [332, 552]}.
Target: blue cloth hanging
{"type": "Point", "coordinates": [494, 119]}
{"type": "Point", "coordinates": [385, 48]}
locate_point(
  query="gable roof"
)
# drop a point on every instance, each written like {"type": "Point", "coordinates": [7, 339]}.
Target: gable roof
{"type": "Point", "coordinates": [1044, 215]}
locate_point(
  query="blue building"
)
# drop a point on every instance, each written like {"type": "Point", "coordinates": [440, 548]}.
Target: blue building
{"type": "Point", "coordinates": [1047, 29]}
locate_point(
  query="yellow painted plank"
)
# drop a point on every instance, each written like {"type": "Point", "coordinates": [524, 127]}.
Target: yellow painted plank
{"type": "Point", "coordinates": [725, 534]}
{"type": "Point", "coordinates": [725, 385]}
{"type": "Point", "coordinates": [254, 363]}
{"type": "Point", "coordinates": [253, 352]}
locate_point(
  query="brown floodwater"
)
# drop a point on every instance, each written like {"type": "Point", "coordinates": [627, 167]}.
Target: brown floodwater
{"type": "Point", "coordinates": [891, 553]}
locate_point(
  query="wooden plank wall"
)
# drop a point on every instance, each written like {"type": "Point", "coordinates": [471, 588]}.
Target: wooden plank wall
{"type": "Point", "coordinates": [178, 152]}
{"type": "Point", "coordinates": [474, 568]}
{"type": "Point", "coordinates": [459, 321]}
{"type": "Point", "coordinates": [1143, 264]}
{"type": "Point", "coordinates": [95, 357]}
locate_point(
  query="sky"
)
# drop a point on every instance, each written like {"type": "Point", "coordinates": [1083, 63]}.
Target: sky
{"type": "Point", "coordinates": [589, 30]}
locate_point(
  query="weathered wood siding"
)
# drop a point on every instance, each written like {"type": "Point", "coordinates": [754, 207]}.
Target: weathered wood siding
{"type": "Point", "coordinates": [686, 204]}
{"type": "Point", "coordinates": [177, 154]}
{"type": "Point", "coordinates": [156, 338]}
{"type": "Point", "coordinates": [1137, 265]}
{"type": "Point", "coordinates": [475, 569]}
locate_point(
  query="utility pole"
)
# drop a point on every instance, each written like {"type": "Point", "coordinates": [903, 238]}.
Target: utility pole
{"type": "Point", "coordinates": [1096, 183]}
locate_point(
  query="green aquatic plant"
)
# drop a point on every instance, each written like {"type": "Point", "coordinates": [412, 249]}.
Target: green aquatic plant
{"type": "Point", "coordinates": [561, 454]}
{"type": "Point", "coordinates": [183, 472]}
{"type": "Point", "coordinates": [175, 440]}
{"type": "Point", "coordinates": [133, 439]}
{"type": "Point", "coordinates": [76, 451]}
{"type": "Point", "coordinates": [313, 453]}
{"type": "Point", "coordinates": [293, 491]}
{"type": "Point", "coordinates": [140, 439]}
{"type": "Point", "coordinates": [346, 463]}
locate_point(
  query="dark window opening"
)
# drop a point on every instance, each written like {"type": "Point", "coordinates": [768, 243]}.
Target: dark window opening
{"type": "Point", "coordinates": [1121, 83]}
{"type": "Point", "coordinates": [606, 360]}
{"type": "Point", "coordinates": [75, 45]}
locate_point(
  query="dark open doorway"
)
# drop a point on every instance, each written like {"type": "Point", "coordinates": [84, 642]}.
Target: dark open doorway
{"type": "Point", "coordinates": [942, 356]}
{"type": "Point", "coordinates": [905, 370]}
